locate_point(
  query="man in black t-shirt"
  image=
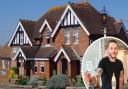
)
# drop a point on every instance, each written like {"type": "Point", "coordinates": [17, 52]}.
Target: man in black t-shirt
{"type": "Point", "coordinates": [109, 65]}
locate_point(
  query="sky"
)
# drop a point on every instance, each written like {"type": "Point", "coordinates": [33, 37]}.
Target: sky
{"type": "Point", "coordinates": [13, 10]}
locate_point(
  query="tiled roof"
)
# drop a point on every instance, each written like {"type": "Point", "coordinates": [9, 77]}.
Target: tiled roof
{"type": "Point", "coordinates": [30, 51]}
{"type": "Point", "coordinates": [88, 15]}
{"type": "Point", "coordinates": [5, 52]}
{"type": "Point", "coordinates": [71, 54]}
{"type": "Point", "coordinates": [91, 18]}
{"type": "Point", "coordinates": [45, 52]}
{"type": "Point", "coordinates": [52, 16]}
{"type": "Point", "coordinates": [37, 52]}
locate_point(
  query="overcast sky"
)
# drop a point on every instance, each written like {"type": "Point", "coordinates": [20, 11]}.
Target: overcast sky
{"type": "Point", "coordinates": [12, 10]}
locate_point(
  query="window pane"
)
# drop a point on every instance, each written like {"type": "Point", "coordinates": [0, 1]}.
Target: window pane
{"type": "Point", "coordinates": [3, 64]}
{"type": "Point", "coordinates": [35, 68]}
{"type": "Point", "coordinates": [48, 41]}
{"type": "Point", "coordinates": [21, 38]}
{"type": "Point", "coordinates": [67, 36]}
{"type": "Point", "coordinates": [17, 38]}
{"type": "Point", "coordinates": [48, 33]}
{"type": "Point", "coordinates": [42, 66]}
{"type": "Point", "coordinates": [75, 36]}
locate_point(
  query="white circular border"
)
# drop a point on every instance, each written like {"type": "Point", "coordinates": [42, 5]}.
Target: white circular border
{"type": "Point", "coordinates": [94, 43]}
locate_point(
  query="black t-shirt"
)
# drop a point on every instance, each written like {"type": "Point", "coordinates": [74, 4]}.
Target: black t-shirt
{"type": "Point", "coordinates": [108, 69]}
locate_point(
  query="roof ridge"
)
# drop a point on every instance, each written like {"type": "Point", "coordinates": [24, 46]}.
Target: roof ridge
{"type": "Point", "coordinates": [26, 20]}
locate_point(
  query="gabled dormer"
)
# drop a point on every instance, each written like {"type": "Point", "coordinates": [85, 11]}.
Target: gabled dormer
{"type": "Point", "coordinates": [69, 18]}
{"type": "Point", "coordinates": [45, 32]}
{"type": "Point", "coordinates": [23, 34]}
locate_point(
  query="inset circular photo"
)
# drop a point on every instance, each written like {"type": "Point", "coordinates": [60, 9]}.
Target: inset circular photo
{"type": "Point", "coordinates": [105, 62]}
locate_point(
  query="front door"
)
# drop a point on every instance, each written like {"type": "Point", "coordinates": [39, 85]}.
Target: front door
{"type": "Point", "coordinates": [27, 65]}
{"type": "Point", "coordinates": [64, 66]}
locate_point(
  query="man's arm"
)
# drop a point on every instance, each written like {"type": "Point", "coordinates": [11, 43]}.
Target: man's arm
{"type": "Point", "coordinates": [99, 72]}
{"type": "Point", "coordinates": [121, 79]}
{"type": "Point", "coordinates": [96, 78]}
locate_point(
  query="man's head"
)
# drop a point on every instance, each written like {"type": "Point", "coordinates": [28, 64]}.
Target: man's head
{"type": "Point", "coordinates": [112, 49]}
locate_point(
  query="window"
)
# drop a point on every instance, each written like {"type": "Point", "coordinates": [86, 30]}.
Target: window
{"type": "Point", "coordinates": [47, 41]}
{"type": "Point", "coordinates": [21, 38]}
{"type": "Point", "coordinates": [42, 67]}
{"type": "Point", "coordinates": [67, 36]}
{"type": "Point", "coordinates": [48, 38]}
{"type": "Point", "coordinates": [35, 68]}
{"type": "Point", "coordinates": [48, 33]}
{"type": "Point", "coordinates": [75, 36]}
{"type": "Point", "coordinates": [3, 64]}
{"type": "Point", "coordinates": [17, 38]}
{"type": "Point", "coordinates": [15, 49]}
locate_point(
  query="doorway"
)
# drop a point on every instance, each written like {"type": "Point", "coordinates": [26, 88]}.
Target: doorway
{"type": "Point", "coordinates": [64, 66]}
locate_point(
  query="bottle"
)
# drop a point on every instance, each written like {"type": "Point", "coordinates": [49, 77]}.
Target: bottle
{"type": "Point", "coordinates": [113, 81]}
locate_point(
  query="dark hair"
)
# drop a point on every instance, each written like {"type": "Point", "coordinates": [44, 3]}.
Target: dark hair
{"type": "Point", "coordinates": [112, 41]}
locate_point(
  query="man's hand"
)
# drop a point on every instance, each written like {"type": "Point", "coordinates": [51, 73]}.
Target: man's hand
{"type": "Point", "coordinates": [95, 81]}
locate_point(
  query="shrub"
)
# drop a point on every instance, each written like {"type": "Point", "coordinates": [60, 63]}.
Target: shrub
{"type": "Point", "coordinates": [22, 81]}
{"type": "Point", "coordinates": [34, 81]}
{"type": "Point", "coordinates": [13, 68]}
{"type": "Point", "coordinates": [12, 74]}
{"type": "Point", "coordinates": [57, 82]}
{"type": "Point", "coordinates": [43, 81]}
{"type": "Point", "coordinates": [78, 81]}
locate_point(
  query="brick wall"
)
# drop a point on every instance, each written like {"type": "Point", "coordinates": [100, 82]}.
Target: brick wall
{"type": "Point", "coordinates": [46, 72]}
{"type": "Point", "coordinates": [83, 40]}
{"type": "Point", "coordinates": [59, 38]}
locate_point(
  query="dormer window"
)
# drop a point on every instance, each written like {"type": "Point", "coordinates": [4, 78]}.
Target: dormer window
{"type": "Point", "coordinates": [48, 34]}
{"type": "Point", "coordinates": [48, 41]}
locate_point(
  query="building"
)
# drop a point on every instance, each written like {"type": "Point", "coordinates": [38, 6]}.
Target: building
{"type": "Point", "coordinates": [57, 41]}
{"type": "Point", "coordinates": [5, 61]}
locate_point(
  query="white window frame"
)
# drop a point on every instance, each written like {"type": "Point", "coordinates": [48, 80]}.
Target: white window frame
{"type": "Point", "coordinates": [67, 36]}
{"type": "Point", "coordinates": [75, 36]}
{"type": "Point", "coordinates": [41, 65]}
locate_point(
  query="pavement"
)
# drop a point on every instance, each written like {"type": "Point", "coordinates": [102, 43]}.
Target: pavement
{"type": "Point", "coordinates": [15, 88]}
